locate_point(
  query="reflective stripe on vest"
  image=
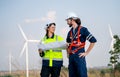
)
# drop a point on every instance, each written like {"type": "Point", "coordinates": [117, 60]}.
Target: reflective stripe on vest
{"type": "Point", "coordinates": [52, 59]}
{"type": "Point", "coordinates": [55, 54]}
{"type": "Point", "coordinates": [76, 43]}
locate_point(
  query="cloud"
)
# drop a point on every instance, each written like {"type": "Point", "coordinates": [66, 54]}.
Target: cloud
{"type": "Point", "coordinates": [64, 31]}
{"type": "Point", "coordinates": [50, 17]}
{"type": "Point", "coordinates": [32, 20]}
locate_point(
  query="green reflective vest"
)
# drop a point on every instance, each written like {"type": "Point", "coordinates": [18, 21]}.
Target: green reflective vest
{"type": "Point", "coordinates": [51, 55]}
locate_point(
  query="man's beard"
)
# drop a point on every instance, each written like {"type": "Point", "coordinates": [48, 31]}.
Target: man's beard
{"type": "Point", "coordinates": [70, 25]}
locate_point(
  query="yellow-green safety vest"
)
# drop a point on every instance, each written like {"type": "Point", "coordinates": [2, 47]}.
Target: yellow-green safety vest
{"type": "Point", "coordinates": [52, 54]}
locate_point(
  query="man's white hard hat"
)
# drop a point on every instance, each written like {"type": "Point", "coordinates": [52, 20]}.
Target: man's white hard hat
{"type": "Point", "coordinates": [71, 15]}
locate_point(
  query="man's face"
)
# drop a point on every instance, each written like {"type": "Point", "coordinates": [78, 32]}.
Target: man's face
{"type": "Point", "coordinates": [69, 22]}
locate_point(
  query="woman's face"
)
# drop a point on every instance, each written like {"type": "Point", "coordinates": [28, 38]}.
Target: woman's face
{"type": "Point", "coordinates": [51, 29]}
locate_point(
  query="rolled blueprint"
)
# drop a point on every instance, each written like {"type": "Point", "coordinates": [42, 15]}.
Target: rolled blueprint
{"type": "Point", "coordinates": [53, 45]}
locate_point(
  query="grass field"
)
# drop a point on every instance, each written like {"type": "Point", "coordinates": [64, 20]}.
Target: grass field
{"type": "Point", "coordinates": [64, 73]}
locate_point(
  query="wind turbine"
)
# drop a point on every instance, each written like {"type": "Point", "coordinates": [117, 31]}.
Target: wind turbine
{"type": "Point", "coordinates": [12, 63]}
{"type": "Point", "coordinates": [10, 59]}
{"type": "Point", "coordinates": [25, 49]}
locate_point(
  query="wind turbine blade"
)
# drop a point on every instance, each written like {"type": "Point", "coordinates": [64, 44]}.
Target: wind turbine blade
{"type": "Point", "coordinates": [23, 50]}
{"type": "Point", "coordinates": [36, 41]}
{"type": "Point", "coordinates": [22, 32]}
{"type": "Point", "coordinates": [112, 39]}
{"type": "Point", "coordinates": [110, 31]}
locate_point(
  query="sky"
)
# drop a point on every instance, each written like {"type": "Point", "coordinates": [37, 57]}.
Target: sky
{"type": "Point", "coordinates": [33, 15]}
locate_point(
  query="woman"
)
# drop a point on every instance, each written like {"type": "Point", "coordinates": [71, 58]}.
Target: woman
{"type": "Point", "coordinates": [52, 60]}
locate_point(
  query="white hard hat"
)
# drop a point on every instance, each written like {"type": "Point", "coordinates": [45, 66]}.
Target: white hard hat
{"type": "Point", "coordinates": [72, 15]}
{"type": "Point", "coordinates": [48, 23]}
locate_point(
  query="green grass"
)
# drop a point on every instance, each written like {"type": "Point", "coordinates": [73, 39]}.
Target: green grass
{"type": "Point", "coordinates": [7, 76]}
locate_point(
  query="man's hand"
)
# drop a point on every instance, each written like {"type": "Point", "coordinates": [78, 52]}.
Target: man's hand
{"type": "Point", "coordinates": [83, 54]}
{"type": "Point", "coordinates": [88, 50]}
{"type": "Point", "coordinates": [67, 49]}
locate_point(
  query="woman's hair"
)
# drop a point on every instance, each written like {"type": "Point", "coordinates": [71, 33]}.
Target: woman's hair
{"type": "Point", "coordinates": [48, 25]}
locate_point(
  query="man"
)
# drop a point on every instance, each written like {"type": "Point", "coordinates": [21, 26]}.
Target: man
{"type": "Point", "coordinates": [52, 60]}
{"type": "Point", "coordinates": [76, 39]}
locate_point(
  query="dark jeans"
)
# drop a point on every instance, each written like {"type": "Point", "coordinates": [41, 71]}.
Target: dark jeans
{"type": "Point", "coordinates": [77, 66]}
{"type": "Point", "coordinates": [53, 71]}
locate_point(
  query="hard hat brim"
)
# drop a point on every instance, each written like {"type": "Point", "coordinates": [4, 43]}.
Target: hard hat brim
{"type": "Point", "coordinates": [69, 18]}
{"type": "Point", "coordinates": [74, 18]}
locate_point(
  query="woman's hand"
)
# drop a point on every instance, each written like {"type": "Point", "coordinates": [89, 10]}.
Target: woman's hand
{"type": "Point", "coordinates": [41, 53]}
{"type": "Point", "coordinates": [40, 50]}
